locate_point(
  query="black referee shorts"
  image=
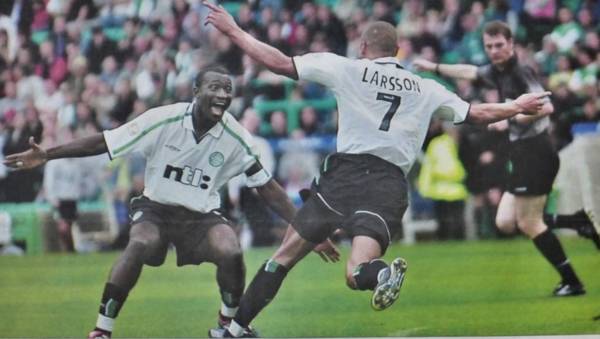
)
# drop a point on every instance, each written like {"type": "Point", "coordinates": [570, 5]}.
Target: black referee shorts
{"type": "Point", "coordinates": [361, 193]}
{"type": "Point", "coordinates": [534, 165]}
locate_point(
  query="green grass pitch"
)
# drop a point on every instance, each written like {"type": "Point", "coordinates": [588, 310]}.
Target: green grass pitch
{"type": "Point", "coordinates": [452, 289]}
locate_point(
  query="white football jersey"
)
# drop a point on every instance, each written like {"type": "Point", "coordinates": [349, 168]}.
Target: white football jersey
{"type": "Point", "coordinates": [384, 110]}
{"type": "Point", "coordinates": [180, 170]}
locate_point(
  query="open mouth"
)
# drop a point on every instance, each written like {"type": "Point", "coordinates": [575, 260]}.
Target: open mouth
{"type": "Point", "coordinates": [218, 108]}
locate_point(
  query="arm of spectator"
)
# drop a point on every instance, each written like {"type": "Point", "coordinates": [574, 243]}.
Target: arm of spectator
{"type": "Point", "coordinates": [529, 104]}
{"type": "Point", "coordinates": [269, 56]}
{"type": "Point", "coordinates": [459, 71]}
{"type": "Point", "coordinates": [37, 156]}
{"type": "Point", "coordinates": [277, 199]}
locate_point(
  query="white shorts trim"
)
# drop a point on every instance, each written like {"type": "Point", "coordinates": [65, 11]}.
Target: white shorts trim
{"type": "Point", "coordinates": [329, 206]}
{"type": "Point", "coordinates": [382, 220]}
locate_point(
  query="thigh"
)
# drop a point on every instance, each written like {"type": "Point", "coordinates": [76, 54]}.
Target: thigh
{"type": "Point", "coordinates": [220, 242]}
{"type": "Point", "coordinates": [316, 219]}
{"type": "Point", "coordinates": [195, 239]}
{"type": "Point", "coordinates": [506, 210]}
{"type": "Point", "coordinates": [155, 244]}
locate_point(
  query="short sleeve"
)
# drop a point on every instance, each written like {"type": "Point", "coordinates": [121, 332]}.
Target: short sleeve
{"type": "Point", "coordinates": [135, 136]}
{"type": "Point", "coordinates": [322, 68]}
{"type": "Point", "coordinates": [449, 105]}
{"type": "Point", "coordinates": [255, 173]}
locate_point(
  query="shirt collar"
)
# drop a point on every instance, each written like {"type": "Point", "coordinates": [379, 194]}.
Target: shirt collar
{"type": "Point", "coordinates": [388, 60]}
{"type": "Point", "coordinates": [215, 131]}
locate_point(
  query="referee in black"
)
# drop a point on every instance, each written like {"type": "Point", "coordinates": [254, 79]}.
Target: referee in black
{"type": "Point", "coordinates": [533, 160]}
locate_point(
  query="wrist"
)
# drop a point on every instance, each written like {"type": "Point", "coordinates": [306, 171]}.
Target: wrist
{"type": "Point", "coordinates": [437, 69]}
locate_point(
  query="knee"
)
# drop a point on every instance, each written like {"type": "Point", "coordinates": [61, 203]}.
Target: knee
{"type": "Point", "coordinates": [350, 281]}
{"type": "Point", "coordinates": [505, 225]}
{"type": "Point", "coordinates": [228, 252]}
{"type": "Point", "coordinates": [144, 248]}
{"type": "Point", "coordinates": [531, 226]}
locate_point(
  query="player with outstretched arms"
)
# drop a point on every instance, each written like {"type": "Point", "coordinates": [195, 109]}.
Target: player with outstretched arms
{"type": "Point", "coordinates": [384, 114]}
{"type": "Point", "coordinates": [191, 151]}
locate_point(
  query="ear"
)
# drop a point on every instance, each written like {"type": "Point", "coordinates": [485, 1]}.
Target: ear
{"type": "Point", "coordinates": [195, 90]}
{"type": "Point", "coordinates": [362, 49]}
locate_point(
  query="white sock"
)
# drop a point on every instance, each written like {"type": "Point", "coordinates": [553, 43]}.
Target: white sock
{"type": "Point", "coordinates": [235, 329]}
{"type": "Point", "coordinates": [228, 311]}
{"type": "Point", "coordinates": [105, 323]}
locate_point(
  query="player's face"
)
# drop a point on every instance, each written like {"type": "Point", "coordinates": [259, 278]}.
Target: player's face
{"type": "Point", "coordinates": [214, 95]}
{"type": "Point", "coordinates": [498, 48]}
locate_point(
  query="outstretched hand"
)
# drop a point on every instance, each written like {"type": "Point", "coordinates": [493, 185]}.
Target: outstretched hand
{"type": "Point", "coordinates": [220, 18]}
{"type": "Point", "coordinates": [31, 158]}
{"type": "Point", "coordinates": [424, 65]}
{"type": "Point", "coordinates": [532, 103]}
{"type": "Point", "coordinates": [327, 251]}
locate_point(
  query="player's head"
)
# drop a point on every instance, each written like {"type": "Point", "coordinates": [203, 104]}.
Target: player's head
{"type": "Point", "coordinates": [498, 42]}
{"type": "Point", "coordinates": [213, 90]}
{"type": "Point", "coordinates": [378, 40]}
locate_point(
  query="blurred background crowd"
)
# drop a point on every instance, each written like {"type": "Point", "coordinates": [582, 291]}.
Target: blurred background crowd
{"type": "Point", "coordinates": [70, 68]}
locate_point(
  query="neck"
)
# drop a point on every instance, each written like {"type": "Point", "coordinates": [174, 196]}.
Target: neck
{"type": "Point", "coordinates": [201, 124]}
{"type": "Point", "coordinates": [504, 65]}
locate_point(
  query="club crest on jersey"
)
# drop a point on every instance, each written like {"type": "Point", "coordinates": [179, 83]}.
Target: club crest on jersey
{"type": "Point", "coordinates": [216, 159]}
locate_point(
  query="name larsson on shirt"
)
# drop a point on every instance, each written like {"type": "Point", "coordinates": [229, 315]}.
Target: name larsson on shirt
{"type": "Point", "coordinates": [390, 83]}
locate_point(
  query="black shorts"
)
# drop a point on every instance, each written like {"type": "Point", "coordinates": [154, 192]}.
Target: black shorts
{"type": "Point", "coordinates": [361, 193]}
{"type": "Point", "coordinates": [183, 228]}
{"type": "Point", "coordinates": [534, 165]}
{"type": "Point", "coordinates": [67, 210]}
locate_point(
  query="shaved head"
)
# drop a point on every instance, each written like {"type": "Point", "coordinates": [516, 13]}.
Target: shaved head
{"type": "Point", "coordinates": [380, 39]}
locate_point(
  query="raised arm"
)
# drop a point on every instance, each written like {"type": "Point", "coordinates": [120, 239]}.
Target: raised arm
{"type": "Point", "coordinates": [530, 104]}
{"type": "Point", "coordinates": [37, 156]}
{"type": "Point", "coordinates": [267, 55]}
{"type": "Point", "coordinates": [458, 71]}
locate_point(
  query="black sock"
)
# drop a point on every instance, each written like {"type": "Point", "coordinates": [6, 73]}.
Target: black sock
{"type": "Point", "coordinates": [572, 221]}
{"type": "Point", "coordinates": [547, 243]}
{"type": "Point", "coordinates": [261, 291]}
{"type": "Point", "coordinates": [113, 299]}
{"type": "Point", "coordinates": [366, 273]}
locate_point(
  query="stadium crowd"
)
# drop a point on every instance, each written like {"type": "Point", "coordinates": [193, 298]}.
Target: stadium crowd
{"type": "Point", "coordinates": [76, 67]}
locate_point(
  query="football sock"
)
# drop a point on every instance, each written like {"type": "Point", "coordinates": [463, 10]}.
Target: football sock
{"type": "Point", "coordinates": [113, 299]}
{"type": "Point", "coordinates": [572, 221]}
{"type": "Point", "coordinates": [261, 291]}
{"type": "Point", "coordinates": [366, 274]}
{"type": "Point", "coordinates": [547, 243]}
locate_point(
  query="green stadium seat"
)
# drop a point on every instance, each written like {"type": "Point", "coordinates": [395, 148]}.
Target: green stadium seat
{"type": "Point", "coordinates": [39, 36]}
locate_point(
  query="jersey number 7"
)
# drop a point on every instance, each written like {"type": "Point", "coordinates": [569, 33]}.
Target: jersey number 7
{"type": "Point", "coordinates": [395, 103]}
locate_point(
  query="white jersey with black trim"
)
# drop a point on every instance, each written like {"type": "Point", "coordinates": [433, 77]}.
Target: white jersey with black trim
{"type": "Point", "coordinates": [384, 110]}
{"type": "Point", "coordinates": [180, 170]}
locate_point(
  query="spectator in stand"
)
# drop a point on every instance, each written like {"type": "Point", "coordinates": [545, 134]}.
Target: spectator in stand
{"type": "Point", "coordinates": [20, 186]}
{"type": "Point", "coordinates": [568, 32]}
{"type": "Point", "coordinates": [9, 101]}
{"type": "Point", "coordinates": [278, 121]}
{"type": "Point", "coordinates": [99, 48]}
{"type": "Point", "coordinates": [51, 66]}
{"type": "Point", "coordinates": [59, 37]}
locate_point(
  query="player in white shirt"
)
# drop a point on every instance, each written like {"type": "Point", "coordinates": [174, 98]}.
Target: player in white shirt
{"type": "Point", "coordinates": [191, 151]}
{"type": "Point", "coordinates": [384, 114]}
